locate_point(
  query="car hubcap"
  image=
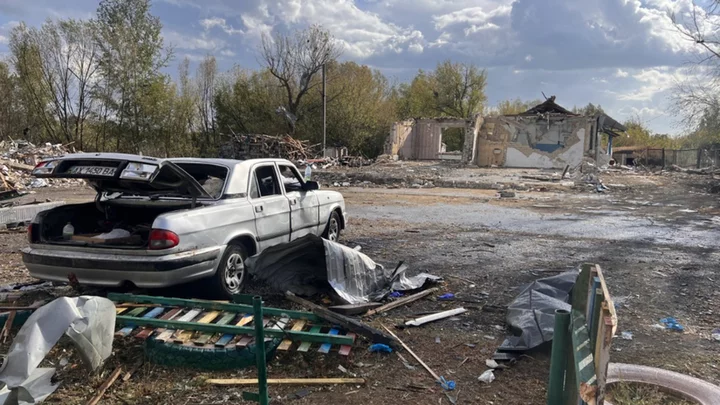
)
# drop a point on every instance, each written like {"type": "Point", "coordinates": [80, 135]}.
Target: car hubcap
{"type": "Point", "coordinates": [334, 230]}
{"type": "Point", "coordinates": [234, 272]}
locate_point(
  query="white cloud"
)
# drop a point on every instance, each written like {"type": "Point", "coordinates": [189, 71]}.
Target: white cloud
{"type": "Point", "coordinates": [209, 23]}
{"type": "Point", "coordinates": [3, 40]}
{"type": "Point", "coordinates": [227, 52]}
{"type": "Point", "coordinates": [621, 73]}
{"type": "Point", "coordinates": [654, 81]}
{"type": "Point", "coordinates": [528, 58]}
{"type": "Point", "coordinates": [193, 42]}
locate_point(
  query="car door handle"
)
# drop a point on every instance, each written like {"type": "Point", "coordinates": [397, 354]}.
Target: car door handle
{"type": "Point", "coordinates": [293, 201]}
{"type": "Point", "coordinates": [258, 208]}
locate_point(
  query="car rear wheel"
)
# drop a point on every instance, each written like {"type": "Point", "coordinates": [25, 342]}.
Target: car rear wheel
{"type": "Point", "coordinates": [231, 275]}
{"type": "Point", "coordinates": [333, 228]}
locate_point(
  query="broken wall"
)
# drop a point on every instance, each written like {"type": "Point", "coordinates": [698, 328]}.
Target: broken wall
{"type": "Point", "coordinates": [420, 139]}
{"type": "Point", "coordinates": [398, 142]}
{"type": "Point", "coordinates": [549, 141]}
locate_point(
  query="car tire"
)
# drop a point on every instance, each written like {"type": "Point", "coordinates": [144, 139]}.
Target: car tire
{"type": "Point", "coordinates": [333, 228]}
{"type": "Point", "coordinates": [231, 275]}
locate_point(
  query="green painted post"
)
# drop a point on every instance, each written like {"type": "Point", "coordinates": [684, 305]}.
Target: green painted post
{"type": "Point", "coordinates": [260, 351]}
{"type": "Point", "coordinates": [558, 359]}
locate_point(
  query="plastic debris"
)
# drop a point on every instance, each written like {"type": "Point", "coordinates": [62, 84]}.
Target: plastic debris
{"type": "Point", "coordinates": [380, 348]}
{"type": "Point", "coordinates": [487, 377]}
{"type": "Point", "coordinates": [447, 296]}
{"type": "Point", "coordinates": [491, 363]}
{"type": "Point", "coordinates": [627, 335]}
{"type": "Point", "coordinates": [716, 335]}
{"type": "Point", "coordinates": [447, 385]}
{"type": "Point", "coordinates": [672, 324]}
{"type": "Point", "coordinates": [396, 294]}
{"type": "Point", "coordinates": [437, 340]}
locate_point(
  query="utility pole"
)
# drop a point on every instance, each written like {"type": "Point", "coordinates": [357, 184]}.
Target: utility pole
{"type": "Point", "coordinates": [324, 96]}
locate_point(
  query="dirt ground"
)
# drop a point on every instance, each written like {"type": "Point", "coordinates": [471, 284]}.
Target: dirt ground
{"type": "Point", "coordinates": [655, 236]}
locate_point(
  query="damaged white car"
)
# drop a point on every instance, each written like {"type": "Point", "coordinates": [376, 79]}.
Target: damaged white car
{"type": "Point", "coordinates": [162, 222]}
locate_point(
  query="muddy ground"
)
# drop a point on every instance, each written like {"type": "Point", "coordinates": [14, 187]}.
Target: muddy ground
{"type": "Point", "coordinates": [655, 236]}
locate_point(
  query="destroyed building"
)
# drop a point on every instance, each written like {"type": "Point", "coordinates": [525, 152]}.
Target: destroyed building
{"type": "Point", "coordinates": [545, 136]}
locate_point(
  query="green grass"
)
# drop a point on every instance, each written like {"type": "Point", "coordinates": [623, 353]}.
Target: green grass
{"type": "Point", "coordinates": [640, 394]}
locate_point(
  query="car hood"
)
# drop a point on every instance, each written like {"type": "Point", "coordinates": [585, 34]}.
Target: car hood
{"type": "Point", "coordinates": [127, 174]}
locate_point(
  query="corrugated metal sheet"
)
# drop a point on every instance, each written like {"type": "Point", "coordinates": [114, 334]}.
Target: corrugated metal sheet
{"type": "Point", "coordinates": [25, 213]}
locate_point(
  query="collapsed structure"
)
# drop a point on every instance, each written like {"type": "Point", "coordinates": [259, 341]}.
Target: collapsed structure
{"type": "Point", "coordinates": [545, 136]}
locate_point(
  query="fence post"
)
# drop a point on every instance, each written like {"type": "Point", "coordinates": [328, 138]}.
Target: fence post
{"type": "Point", "coordinates": [663, 166]}
{"type": "Point", "coordinates": [558, 358]}
{"type": "Point", "coordinates": [699, 157]}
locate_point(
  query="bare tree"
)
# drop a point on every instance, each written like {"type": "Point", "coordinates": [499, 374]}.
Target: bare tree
{"type": "Point", "coordinates": [205, 79]}
{"type": "Point", "coordinates": [295, 60]}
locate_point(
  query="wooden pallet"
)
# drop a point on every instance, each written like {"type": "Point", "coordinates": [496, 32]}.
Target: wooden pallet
{"type": "Point", "coordinates": [135, 319]}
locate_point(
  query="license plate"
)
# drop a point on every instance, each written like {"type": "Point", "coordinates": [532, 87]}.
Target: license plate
{"type": "Point", "coordinates": [93, 170]}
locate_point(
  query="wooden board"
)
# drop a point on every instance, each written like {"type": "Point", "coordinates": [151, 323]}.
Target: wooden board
{"type": "Point", "coordinates": [205, 337]}
{"type": "Point", "coordinates": [227, 338]}
{"type": "Point", "coordinates": [345, 349]}
{"type": "Point", "coordinates": [153, 313]}
{"type": "Point", "coordinates": [187, 317]}
{"type": "Point", "coordinates": [325, 347]}
{"type": "Point", "coordinates": [279, 325]}
{"type": "Point", "coordinates": [297, 326]}
{"type": "Point", "coordinates": [305, 346]}
{"type": "Point", "coordinates": [183, 336]}
{"type": "Point", "coordinates": [290, 381]}
{"type": "Point", "coordinates": [246, 340]}
{"type": "Point", "coordinates": [608, 299]}
{"type": "Point", "coordinates": [145, 333]}
{"type": "Point", "coordinates": [128, 329]}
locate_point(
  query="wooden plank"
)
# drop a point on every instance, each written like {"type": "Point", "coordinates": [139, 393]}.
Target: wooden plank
{"type": "Point", "coordinates": [345, 349]}
{"type": "Point", "coordinates": [128, 329]}
{"type": "Point", "coordinates": [153, 313]}
{"type": "Point", "coordinates": [227, 338]}
{"type": "Point", "coordinates": [297, 326]}
{"type": "Point", "coordinates": [580, 290]}
{"type": "Point", "coordinates": [246, 340]}
{"type": "Point", "coordinates": [325, 347]}
{"type": "Point", "coordinates": [349, 324]}
{"type": "Point", "coordinates": [237, 330]}
{"type": "Point", "coordinates": [184, 335]}
{"type": "Point", "coordinates": [602, 352]}
{"type": "Point", "coordinates": [305, 346]}
{"type": "Point", "coordinates": [401, 302]}
{"type": "Point", "coordinates": [8, 325]}
{"type": "Point", "coordinates": [120, 310]}
{"type": "Point", "coordinates": [286, 381]}
{"type": "Point", "coordinates": [187, 317]}
{"type": "Point", "coordinates": [145, 333]}
{"type": "Point", "coordinates": [608, 299]}
{"type": "Point", "coordinates": [105, 385]}
{"type": "Point", "coordinates": [205, 337]}
{"type": "Point", "coordinates": [209, 305]}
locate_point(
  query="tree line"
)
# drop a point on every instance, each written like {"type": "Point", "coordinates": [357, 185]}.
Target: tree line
{"type": "Point", "coordinates": [99, 85]}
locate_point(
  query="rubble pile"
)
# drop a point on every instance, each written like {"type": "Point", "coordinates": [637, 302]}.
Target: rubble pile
{"type": "Point", "coordinates": [257, 146]}
{"type": "Point", "coordinates": [17, 160]}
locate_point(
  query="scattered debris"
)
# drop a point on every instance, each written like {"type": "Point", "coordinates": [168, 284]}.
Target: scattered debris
{"type": "Point", "coordinates": [405, 362]}
{"type": "Point", "coordinates": [301, 393]}
{"type": "Point", "coordinates": [285, 381]}
{"type": "Point", "coordinates": [447, 296]}
{"type": "Point", "coordinates": [491, 363]}
{"type": "Point", "coordinates": [487, 377]}
{"type": "Point", "coordinates": [401, 302]}
{"type": "Point", "coordinates": [354, 309]}
{"type": "Point", "coordinates": [448, 385]}
{"type": "Point", "coordinates": [716, 335]}
{"type": "Point", "coordinates": [88, 321]}
{"type": "Point", "coordinates": [627, 335]}
{"type": "Point", "coordinates": [380, 348]}
{"type": "Point", "coordinates": [376, 336]}
{"type": "Point", "coordinates": [672, 324]}
{"type": "Point", "coordinates": [506, 194]}
{"type": "Point", "coordinates": [252, 146]}
{"type": "Point", "coordinates": [105, 385]}
{"type": "Point", "coordinates": [435, 317]}
{"type": "Point", "coordinates": [19, 159]}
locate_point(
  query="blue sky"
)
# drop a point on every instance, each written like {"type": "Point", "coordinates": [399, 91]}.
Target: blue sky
{"type": "Point", "coordinates": [622, 54]}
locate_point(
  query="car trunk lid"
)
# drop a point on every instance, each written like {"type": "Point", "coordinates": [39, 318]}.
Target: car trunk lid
{"type": "Point", "coordinates": [127, 174]}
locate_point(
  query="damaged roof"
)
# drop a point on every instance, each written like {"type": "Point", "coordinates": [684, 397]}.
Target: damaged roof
{"type": "Point", "coordinates": [549, 106]}
{"type": "Point", "coordinates": [609, 126]}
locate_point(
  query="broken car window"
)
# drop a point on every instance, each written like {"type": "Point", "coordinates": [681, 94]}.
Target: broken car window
{"type": "Point", "coordinates": [211, 177]}
{"type": "Point", "coordinates": [291, 179]}
{"type": "Point", "coordinates": [267, 181]}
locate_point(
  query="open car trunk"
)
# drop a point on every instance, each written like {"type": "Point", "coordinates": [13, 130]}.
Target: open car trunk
{"type": "Point", "coordinates": [117, 223]}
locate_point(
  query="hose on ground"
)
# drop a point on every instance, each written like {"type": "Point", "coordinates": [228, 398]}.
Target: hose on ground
{"type": "Point", "coordinates": [686, 387]}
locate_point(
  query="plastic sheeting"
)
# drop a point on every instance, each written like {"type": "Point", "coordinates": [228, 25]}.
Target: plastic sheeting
{"type": "Point", "coordinates": [310, 265]}
{"type": "Point", "coordinates": [88, 321]}
{"type": "Point", "coordinates": [531, 315]}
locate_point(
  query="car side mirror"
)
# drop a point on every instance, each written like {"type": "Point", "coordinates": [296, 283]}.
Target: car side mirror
{"type": "Point", "coordinates": [311, 185]}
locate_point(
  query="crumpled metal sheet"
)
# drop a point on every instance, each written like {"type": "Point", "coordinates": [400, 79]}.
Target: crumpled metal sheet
{"type": "Point", "coordinates": [531, 315]}
{"type": "Point", "coordinates": [310, 265]}
{"type": "Point", "coordinates": [88, 321]}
